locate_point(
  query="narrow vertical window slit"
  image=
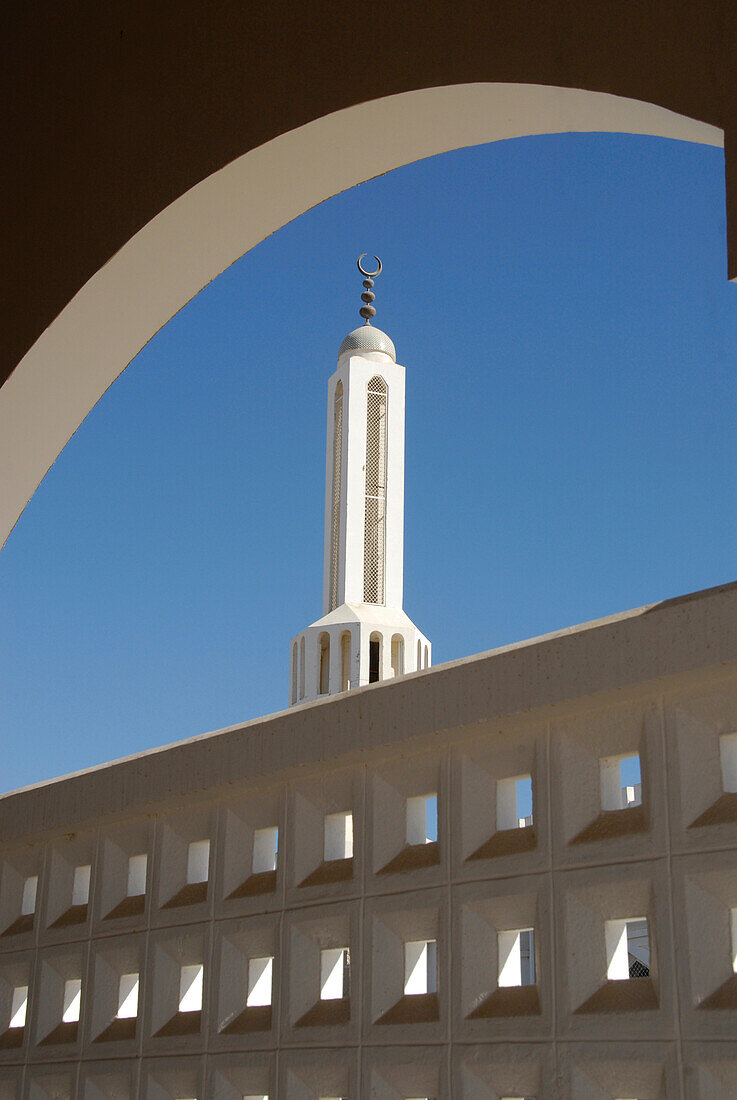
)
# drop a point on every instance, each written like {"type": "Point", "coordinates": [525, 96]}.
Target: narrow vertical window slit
{"type": "Point", "coordinates": [337, 473]}
{"type": "Point", "coordinates": [374, 537]}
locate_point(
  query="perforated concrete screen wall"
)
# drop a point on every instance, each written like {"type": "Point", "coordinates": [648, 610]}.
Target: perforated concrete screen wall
{"type": "Point", "coordinates": [347, 901]}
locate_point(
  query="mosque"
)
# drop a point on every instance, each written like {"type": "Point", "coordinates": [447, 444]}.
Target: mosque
{"type": "Point", "coordinates": [509, 876]}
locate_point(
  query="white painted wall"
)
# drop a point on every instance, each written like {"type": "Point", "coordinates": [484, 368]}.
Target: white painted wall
{"type": "Point", "coordinates": [355, 372]}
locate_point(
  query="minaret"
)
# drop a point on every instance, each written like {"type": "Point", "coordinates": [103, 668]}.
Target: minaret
{"type": "Point", "coordinates": [364, 635]}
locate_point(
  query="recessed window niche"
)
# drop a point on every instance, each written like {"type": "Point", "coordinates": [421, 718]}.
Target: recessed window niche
{"type": "Point", "coordinates": [161, 1081]}
{"type": "Point", "coordinates": [500, 798]}
{"type": "Point", "coordinates": [115, 982]}
{"type": "Point", "coordinates": [407, 961]}
{"type": "Point", "coordinates": [414, 1073]}
{"type": "Point", "coordinates": [621, 800]}
{"type": "Point", "coordinates": [70, 884]}
{"type": "Point", "coordinates": [184, 843]}
{"type": "Point", "coordinates": [506, 1071]}
{"type": "Point", "coordinates": [501, 948]}
{"type": "Point", "coordinates": [247, 976]}
{"type": "Point", "coordinates": [178, 986]}
{"type": "Point", "coordinates": [325, 819]}
{"type": "Point", "coordinates": [51, 1084]}
{"type": "Point", "coordinates": [407, 807]}
{"type": "Point", "coordinates": [15, 980]}
{"type": "Point", "coordinates": [710, 894]}
{"type": "Point", "coordinates": [242, 1077]}
{"type": "Point", "coordinates": [61, 997]}
{"type": "Point", "coordinates": [251, 842]}
{"type": "Point", "coordinates": [124, 873]}
{"type": "Point", "coordinates": [112, 1081]}
{"type": "Point", "coordinates": [619, 917]}
{"type": "Point", "coordinates": [724, 808]}
{"type": "Point", "coordinates": [515, 827]}
{"type": "Point", "coordinates": [323, 952]}
{"type": "Point", "coordinates": [19, 894]}
{"type": "Point", "coordinates": [318, 1075]}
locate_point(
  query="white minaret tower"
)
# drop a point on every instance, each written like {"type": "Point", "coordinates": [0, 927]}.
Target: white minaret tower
{"type": "Point", "coordinates": [364, 635]}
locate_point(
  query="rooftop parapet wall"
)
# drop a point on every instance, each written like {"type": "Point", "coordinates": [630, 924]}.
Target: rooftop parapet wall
{"type": "Point", "coordinates": [660, 641]}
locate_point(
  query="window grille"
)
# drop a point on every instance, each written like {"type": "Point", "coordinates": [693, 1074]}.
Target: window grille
{"type": "Point", "coordinates": [374, 537]}
{"type": "Point", "coordinates": [337, 470]}
{"type": "Point", "coordinates": [638, 969]}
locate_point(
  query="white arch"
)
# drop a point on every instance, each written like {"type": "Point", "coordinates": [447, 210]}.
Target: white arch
{"type": "Point", "coordinates": [207, 229]}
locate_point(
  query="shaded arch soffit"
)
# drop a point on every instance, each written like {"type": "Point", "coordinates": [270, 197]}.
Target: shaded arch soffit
{"type": "Point", "coordinates": [188, 244]}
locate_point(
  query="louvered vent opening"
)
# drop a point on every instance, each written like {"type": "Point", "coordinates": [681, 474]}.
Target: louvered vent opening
{"type": "Point", "coordinates": [374, 538]}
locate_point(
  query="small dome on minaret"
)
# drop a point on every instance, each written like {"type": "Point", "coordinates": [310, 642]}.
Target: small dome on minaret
{"type": "Point", "coordinates": [367, 338]}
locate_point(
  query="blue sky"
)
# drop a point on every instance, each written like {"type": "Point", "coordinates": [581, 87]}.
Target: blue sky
{"type": "Point", "coordinates": [562, 309]}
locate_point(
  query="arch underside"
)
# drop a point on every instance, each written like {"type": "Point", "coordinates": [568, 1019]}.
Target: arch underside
{"type": "Point", "coordinates": [212, 225]}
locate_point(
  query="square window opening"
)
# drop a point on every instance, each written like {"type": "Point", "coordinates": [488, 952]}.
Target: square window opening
{"type": "Point", "coordinates": [260, 978]}
{"type": "Point", "coordinates": [338, 836]}
{"type": "Point", "coordinates": [137, 868]}
{"type": "Point", "coordinates": [516, 953]}
{"type": "Point", "coordinates": [28, 900]}
{"type": "Point", "coordinates": [335, 971]}
{"type": "Point", "coordinates": [422, 819]}
{"type": "Point", "coordinates": [191, 980]}
{"type": "Point", "coordinates": [72, 1001]}
{"type": "Point", "coordinates": [627, 949]}
{"type": "Point", "coordinates": [198, 861]}
{"type": "Point", "coordinates": [18, 1007]}
{"type": "Point", "coordinates": [127, 997]}
{"type": "Point", "coordinates": [514, 802]}
{"type": "Point", "coordinates": [265, 850]}
{"type": "Point", "coordinates": [81, 885]}
{"type": "Point", "coordinates": [621, 781]}
{"type": "Point", "coordinates": [420, 967]}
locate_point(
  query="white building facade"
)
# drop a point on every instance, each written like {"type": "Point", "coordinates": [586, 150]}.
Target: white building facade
{"type": "Point", "coordinates": [364, 635]}
{"type": "Point", "coordinates": [346, 899]}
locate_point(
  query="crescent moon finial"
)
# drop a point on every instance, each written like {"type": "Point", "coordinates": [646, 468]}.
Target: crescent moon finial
{"type": "Point", "coordinates": [369, 274]}
{"type": "Point", "coordinates": [367, 311]}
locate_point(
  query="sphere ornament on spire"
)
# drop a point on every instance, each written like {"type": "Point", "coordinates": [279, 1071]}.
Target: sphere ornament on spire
{"type": "Point", "coordinates": [368, 310]}
{"type": "Point", "coordinates": [366, 338]}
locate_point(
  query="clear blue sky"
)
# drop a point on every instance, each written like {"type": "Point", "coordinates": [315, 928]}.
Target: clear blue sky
{"type": "Point", "coordinates": [570, 339]}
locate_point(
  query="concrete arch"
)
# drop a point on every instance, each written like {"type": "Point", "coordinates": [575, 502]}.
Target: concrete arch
{"type": "Point", "coordinates": [212, 225]}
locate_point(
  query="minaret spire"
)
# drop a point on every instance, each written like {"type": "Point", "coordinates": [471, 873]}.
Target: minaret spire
{"type": "Point", "coordinates": [364, 635]}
